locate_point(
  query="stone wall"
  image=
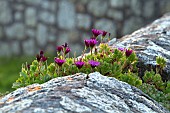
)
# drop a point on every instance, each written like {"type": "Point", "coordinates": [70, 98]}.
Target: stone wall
{"type": "Point", "coordinates": [26, 26]}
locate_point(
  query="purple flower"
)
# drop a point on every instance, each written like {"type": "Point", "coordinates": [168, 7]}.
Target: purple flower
{"type": "Point", "coordinates": [41, 53]}
{"type": "Point", "coordinates": [94, 63]}
{"type": "Point", "coordinates": [92, 42]}
{"type": "Point", "coordinates": [67, 50]}
{"type": "Point", "coordinates": [59, 48]}
{"type": "Point", "coordinates": [38, 57]}
{"type": "Point", "coordinates": [120, 48]}
{"type": "Point", "coordinates": [59, 61]}
{"type": "Point", "coordinates": [128, 52]}
{"type": "Point", "coordinates": [79, 64]}
{"type": "Point", "coordinates": [43, 58]}
{"type": "Point", "coordinates": [87, 43]}
{"type": "Point", "coordinates": [96, 32]}
{"type": "Point", "coordinates": [65, 45]}
{"type": "Point", "coordinates": [104, 33]}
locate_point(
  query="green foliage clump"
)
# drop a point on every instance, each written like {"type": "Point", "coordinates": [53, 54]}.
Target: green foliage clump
{"type": "Point", "coordinates": [113, 62]}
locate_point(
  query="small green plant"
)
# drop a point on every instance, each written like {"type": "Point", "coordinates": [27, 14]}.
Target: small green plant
{"type": "Point", "coordinates": [114, 62]}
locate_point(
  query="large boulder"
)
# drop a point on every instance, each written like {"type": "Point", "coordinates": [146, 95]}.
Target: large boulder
{"type": "Point", "coordinates": [150, 42]}
{"type": "Point", "coordinates": [77, 94]}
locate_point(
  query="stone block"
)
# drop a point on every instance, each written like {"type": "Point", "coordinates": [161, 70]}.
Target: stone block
{"type": "Point", "coordinates": [5, 12]}
{"type": "Point", "coordinates": [66, 15]}
{"type": "Point", "coordinates": [15, 31]}
{"type": "Point", "coordinates": [83, 21]}
{"type": "Point", "coordinates": [98, 7]}
{"type": "Point", "coordinates": [42, 34]}
{"type": "Point", "coordinates": [28, 47]}
{"type": "Point", "coordinates": [31, 17]}
{"type": "Point", "coordinates": [47, 17]}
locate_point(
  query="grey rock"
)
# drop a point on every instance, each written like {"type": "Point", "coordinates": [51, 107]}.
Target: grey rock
{"type": "Point", "coordinates": [119, 3]}
{"type": "Point", "coordinates": [18, 16]}
{"type": "Point", "coordinates": [83, 21]}
{"type": "Point", "coordinates": [18, 7]}
{"type": "Point", "coordinates": [28, 47]}
{"type": "Point", "coordinates": [107, 25]}
{"type": "Point", "coordinates": [136, 7]}
{"type": "Point", "coordinates": [15, 47]}
{"type": "Point", "coordinates": [97, 94]}
{"type": "Point", "coordinates": [49, 5]}
{"type": "Point", "coordinates": [98, 7]}
{"type": "Point", "coordinates": [33, 2]}
{"type": "Point", "coordinates": [150, 42]}
{"type": "Point", "coordinates": [66, 15]}
{"type": "Point", "coordinates": [47, 17]}
{"type": "Point", "coordinates": [31, 17]}
{"type": "Point", "coordinates": [42, 34]}
{"type": "Point", "coordinates": [132, 24]}
{"type": "Point", "coordinates": [5, 12]}
{"type": "Point", "coordinates": [15, 31]}
{"type": "Point", "coordinates": [115, 14]}
{"type": "Point", "coordinates": [149, 8]}
{"type": "Point", "coordinates": [31, 33]}
{"type": "Point", "coordinates": [5, 49]}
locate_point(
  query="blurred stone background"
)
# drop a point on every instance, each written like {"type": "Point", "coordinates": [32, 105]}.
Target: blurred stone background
{"type": "Point", "coordinates": [27, 26]}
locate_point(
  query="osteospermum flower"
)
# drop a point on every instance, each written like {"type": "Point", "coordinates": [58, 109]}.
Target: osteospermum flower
{"type": "Point", "coordinates": [92, 42]}
{"type": "Point", "coordinates": [94, 63]}
{"type": "Point", "coordinates": [128, 52]}
{"type": "Point", "coordinates": [79, 64]}
{"type": "Point", "coordinates": [104, 33]}
{"type": "Point", "coordinates": [96, 32]}
{"type": "Point", "coordinates": [59, 61]}
{"type": "Point", "coordinates": [121, 49]}
{"type": "Point", "coordinates": [87, 43]}
{"type": "Point", "coordinates": [59, 48]}
{"type": "Point", "coordinates": [67, 50]}
{"type": "Point", "coordinates": [43, 58]}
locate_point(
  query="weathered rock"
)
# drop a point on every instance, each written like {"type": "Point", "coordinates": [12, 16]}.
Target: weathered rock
{"type": "Point", "coordinates": [47, 17]}
{"type": "Point", "coordinates": [84, 21]}
{"type": "Point", "coordinates": [98, 94]}
{"type": "Point", "coordinates": [28, 47]}
{"type": "Point", "coordinates": [150, 42]}
{"type": "Point", "coordinates": [30, 17]}
{"type": "Point", "coordinates": [5, 12]}
{"type": "Point", "coordinates": [66, 15]}
{"type": "Point", "coordinates": [41, 34]}
{"type": "Point", "coordinates": [16, 31]}
{"type": "Point", "coordinates": [97, 7]}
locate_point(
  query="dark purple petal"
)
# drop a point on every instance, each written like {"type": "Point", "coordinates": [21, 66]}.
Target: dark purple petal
{"type": "Point", "coordinates": [120, 48]}
{"type": "Point", "coordinates": [104, 33]}
{"type": "Point", "coordinates": [43, 59]}
{"type": "Point", "coordinates": [65, 45]}
{"type": "Point", "coordinates": [41, 53]}
{"type": "Point", "coordinates": [128, 52]}
{"type": "Point", "coordinates": [38, 57]}
{"type": "Point", "coordinates": [96, 32]}
{"type": "Point", "coordinates": [59, 48]}
{"type": "Point", "coordinates": [79, 64]}
{"type": "Point", "coordinates": [59, 61]}
{"type": "Point", "coordinates": [94, 63]}
{"type": "Point", "coordinates": [67, 50]}
{"type": "Point", "coordinates": [87, 43]}
{"type": "Point", "coordinates": [92, 42]}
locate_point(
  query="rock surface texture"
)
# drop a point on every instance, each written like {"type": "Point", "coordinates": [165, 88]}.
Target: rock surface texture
{"type": "Point", "coordinates": [75, 94]}
{"type": "Point", "coordinates": [150, 42]}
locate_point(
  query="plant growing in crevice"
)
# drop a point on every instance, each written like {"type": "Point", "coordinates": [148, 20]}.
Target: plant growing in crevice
{"type": "Point", "coordinates": [114, 62]}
